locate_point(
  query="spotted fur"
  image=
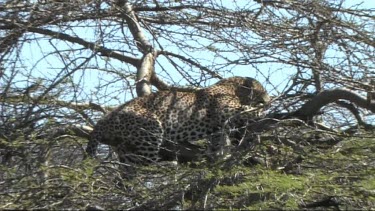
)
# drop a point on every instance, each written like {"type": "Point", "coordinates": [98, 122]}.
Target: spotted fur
{"type": "Point", "coordinates": [168, 125]}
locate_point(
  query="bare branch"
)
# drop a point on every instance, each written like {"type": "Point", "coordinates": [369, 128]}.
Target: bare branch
{"type": "Point", "coordinates": [162, 86]}
{"type": "Point", "coordinates": [313, 106]}
{"type": "Point", "coordinates": [354, 111]}
{"type": "Point", "coordinates": [94, 47]}
{"type": "Point", "coordinates": [47, 100]}
{"type": "Point", "coordinates": [190, 61]}
{"type": "Point", "coordinates": [134, 26]}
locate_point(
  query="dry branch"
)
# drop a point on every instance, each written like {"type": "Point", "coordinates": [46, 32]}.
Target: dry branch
{"type": "Point", "coordinates": [49, 101]}
{"type": "Point", "coordinates": [134, 26]}
{"type": "Point", "coordinates": [312, 107]}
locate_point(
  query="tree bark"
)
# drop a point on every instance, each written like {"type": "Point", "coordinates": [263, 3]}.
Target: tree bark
{"type": "Point", "coordinates": [312, 107]}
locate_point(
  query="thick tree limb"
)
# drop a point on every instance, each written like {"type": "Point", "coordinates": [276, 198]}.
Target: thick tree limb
{"type": "Point", "coordinates": [134, 26]}
{"type": "Point", "coordinates": [146, 68]}
{"type": "Point", "coordinates": [312, 107]}
{"type": "Point", "coordinates": [351, 107]}
{"type": "Point", "coordinates": [144, 73]}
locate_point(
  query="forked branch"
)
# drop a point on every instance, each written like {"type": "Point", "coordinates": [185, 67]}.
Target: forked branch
{"type": "Point", "coordinates": [312, 107]}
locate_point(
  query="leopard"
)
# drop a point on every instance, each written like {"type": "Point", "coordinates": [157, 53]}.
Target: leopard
{"type": "Point", "coordinates": [170, 125]}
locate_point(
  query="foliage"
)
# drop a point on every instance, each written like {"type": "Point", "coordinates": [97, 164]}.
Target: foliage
{"type": "Point", "coordinates": [313, 176]}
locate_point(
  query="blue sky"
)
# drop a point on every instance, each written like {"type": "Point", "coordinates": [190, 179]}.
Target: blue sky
{"type": "Point", "coordinates": [52, 65]}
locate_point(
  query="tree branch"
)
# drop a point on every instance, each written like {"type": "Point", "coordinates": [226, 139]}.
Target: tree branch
{"type": "Point", "coordinates": [146, 68]}
{"type": "Point", "coordinates": [312, 107]}
{"type": "Point", "coordinates": [187, 60]}
{"type": "Point", "coordinates": [144, 73]}
{"type": "Point", "coordinates": [19, 99]}
{"type": "Point", "coordinates": [92, 46]}
{"type": "Point", "coordinates": [134, 27]}
{"type": "Point", "coordinates": [161, 85]}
